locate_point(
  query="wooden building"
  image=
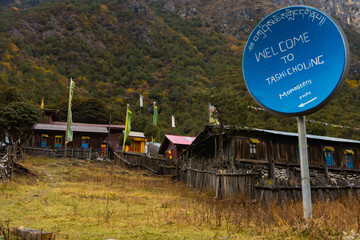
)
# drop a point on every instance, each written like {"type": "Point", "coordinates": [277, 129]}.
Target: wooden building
{"type": "Point", "coordinates": [86, 135]}
{"type": "Point", "coordinates": [51, 115]}
{"type": "Point", "coordinates": [52, 135]}
{"type": "Point", "coordinates": [114, 136]}
{"type": "Point", "coordinates": [138, 141]}
{"type": "Point", "coordinates": [173, 146]}
{"type": "Point", "coordinates": [265, 164]}
{"type": "Point", "coordinates": [258, 145]}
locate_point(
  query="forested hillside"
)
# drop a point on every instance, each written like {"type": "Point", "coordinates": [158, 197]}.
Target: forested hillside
{"type": "Point", "coordinates": [117, 50]}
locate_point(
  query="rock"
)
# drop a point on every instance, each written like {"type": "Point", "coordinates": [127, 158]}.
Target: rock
{"type": "Point", "coordinates": [15, 32]}
{"type": "Point", "coordinates": [32, 234]}
{"type": "Point", "coordinates": [235, 17]}
{"type": "Point", "coordinates": [136, 6]}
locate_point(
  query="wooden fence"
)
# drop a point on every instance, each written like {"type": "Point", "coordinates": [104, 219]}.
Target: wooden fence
{"type": "Point", "coordinates": [2, 151]}
{"type": "Point", "coordinates": [293, 193]}
{"type": "Point", "coordinates": [253, 180]}
{"type": "Point", "coordinates": [245, 177]}
{"type": "Point", "coordinates": [222, 182]}
{"type": "Point", "coordinates": [153, 163]}
{"type": "Point", "coordinates": [82, 153]}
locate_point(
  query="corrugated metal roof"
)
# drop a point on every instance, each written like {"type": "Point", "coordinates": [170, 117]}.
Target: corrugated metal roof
{"type": "Point", "coordinates": [333, 139]}
{"type": "Point", "coordinates": [183, 140]}
{"type": "Point", "coordinates": [136, 134]}
{"type": "Point", "coordinates": [113, 126]}
{"type": "Point", "coordinates": [93, 128]}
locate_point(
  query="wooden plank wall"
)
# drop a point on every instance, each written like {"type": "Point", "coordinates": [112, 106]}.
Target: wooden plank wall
{"type": "Point", "coordinates": [95, 140]}
{"type": "Point", "coordinates": [286, 151]}
{"type": "Point", "coordinates": [226, 182]}
{"type": "Point", "coordinates": [266, 194]}
{"type": "Point", "coordinates": [200, 175]}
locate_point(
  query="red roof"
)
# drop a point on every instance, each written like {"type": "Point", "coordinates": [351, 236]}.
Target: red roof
{"type": "Point", "coordinates": [183, 140]}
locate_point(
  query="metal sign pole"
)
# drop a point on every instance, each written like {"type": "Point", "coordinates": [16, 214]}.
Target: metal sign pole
{"type": "Point", "coordinates": [304, 167]}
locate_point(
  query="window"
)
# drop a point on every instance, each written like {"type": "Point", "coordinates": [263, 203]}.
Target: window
{"type": "Point", "coordinates": [329, 156]}
{"type": "Point", "coordinates": [253, 146]}
{"type": "Point", "coordinates": [85, 140]}
{"type": "Point", "coordinates": [349, 158]}
{"type": "Point", "coordinates": [135, 146]}
{"type": "Point", "coordinates": [103, 150]}
{"type": "Point", "coordinates": [44, 139]}
{"type": "Point", "coordinates": [58, 141]}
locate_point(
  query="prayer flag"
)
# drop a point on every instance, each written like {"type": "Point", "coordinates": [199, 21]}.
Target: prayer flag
{"type": "Point", "coordinates": [69, 135]}
{"type": "Point", "coordinates": [212, 109]}
{"type": "Point", "coordinates": [141, 100]}
{"type": "Point", "coordinates": [155, 114]}
{"type": "Point", "coordinates": [172, 121]}
{"type": "Point", "coordinates": [127, 125]}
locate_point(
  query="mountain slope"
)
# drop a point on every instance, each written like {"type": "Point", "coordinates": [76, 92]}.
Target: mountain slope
{"type": "Point", "coordinates": [115, 51]}
{"type": "Point", "coordinates": [163, 50]}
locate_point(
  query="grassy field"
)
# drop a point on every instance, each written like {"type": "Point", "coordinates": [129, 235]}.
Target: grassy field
{"type": "Point", "coordinates": [86, 200]}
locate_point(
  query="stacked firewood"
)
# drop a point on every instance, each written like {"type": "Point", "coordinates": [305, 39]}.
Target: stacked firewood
{"type": "Point", "coordinates": [9, 165]}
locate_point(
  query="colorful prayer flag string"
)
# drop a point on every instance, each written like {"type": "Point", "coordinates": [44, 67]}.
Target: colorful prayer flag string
{"type": "Point", "coordinates": [314, 121]}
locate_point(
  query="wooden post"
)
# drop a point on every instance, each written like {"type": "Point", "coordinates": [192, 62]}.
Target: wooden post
{"type": "Point", "coordinates": [90, 154]}
{"type": "Point", "coordinates": [217, 186]}
{"type": "Point", "coordinates": [215, 152]}
{"type": "Point", "coordinates": [107, 142]}
{"type": "Point", "coordinates": [326, 171]}
{"type": "Point", "coordinates": [271, 160]}
{"type": "Point", "coordinates": [13, 157]}
{"type": "Point", "coordinates": [232, 148]}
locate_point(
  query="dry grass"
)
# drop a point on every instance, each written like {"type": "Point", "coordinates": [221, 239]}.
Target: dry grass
{"type": "Point", "coordinates": [83, 200]}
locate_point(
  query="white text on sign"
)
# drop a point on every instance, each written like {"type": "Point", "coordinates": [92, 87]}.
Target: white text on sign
{"type": "Point", "coordinates": [282, 46]}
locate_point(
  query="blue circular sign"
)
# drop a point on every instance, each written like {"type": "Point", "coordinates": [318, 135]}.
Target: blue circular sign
{"type": "Point", "coordinates": [295, 60]}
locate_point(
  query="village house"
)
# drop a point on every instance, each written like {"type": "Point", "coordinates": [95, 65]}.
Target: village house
{"type": "Point", "coordinates": [172, 146]}
{"type": "Point", "coordinates": [87, 137]}
{"type": "Point", "coordinates": [138, 141]}
{"type": "Point", "coordinates": [259, 145]}
{"type": "Point", "coordinates": [100, 138]}
{"type": "Point", "coordinates": [52, 135]}
{"type": "Point", "coordinates": [265, 163]}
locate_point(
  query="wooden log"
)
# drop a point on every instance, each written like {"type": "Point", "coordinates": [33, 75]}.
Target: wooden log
{"type": "Point", "coordinates": [20, 169]}
{"type": "Point", "coordinates": [282, 197]}
{"type": "Point", "coordinates": [267, 196]}
{"type": "Point", "coordinates": [271, 161]}
{"type": "Point", "coordinates": [321, 195]}
{"type": "Point", "coordinates": [217, 187]}
{"type": "Point", "coordinates": [332, 195]}
{"type": "Point", "coordinates": [326, 194]}
{"type": "Point", "coordinates": [357, 193]}
{"type": "Point", "coordinates": [32, 234]}
{"type": "Point", "coordinates": [262, 196]}
{"type": "Point", "coordinates": [224, 184]}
